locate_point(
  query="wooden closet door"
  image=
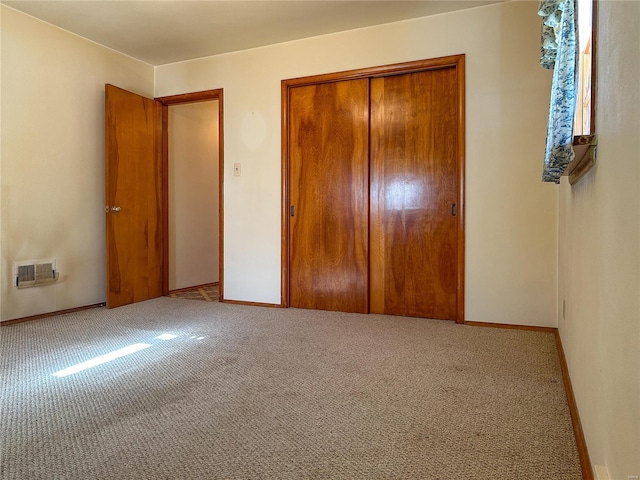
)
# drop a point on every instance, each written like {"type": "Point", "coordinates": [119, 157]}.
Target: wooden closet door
{"type": "Point", "coordinates": [413, 232]}
{"type": "Point", "coordinates": [328, 184]}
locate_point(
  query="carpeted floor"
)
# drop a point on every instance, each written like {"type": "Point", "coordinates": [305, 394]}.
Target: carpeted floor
{"type": "Point", "coordinates": [264, 393]}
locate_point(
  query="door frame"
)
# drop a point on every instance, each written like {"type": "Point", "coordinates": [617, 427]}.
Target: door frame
{"type": "Point", "coordinates": [452, 61]}
{"type": "Point", "coordinates": [181, 99]}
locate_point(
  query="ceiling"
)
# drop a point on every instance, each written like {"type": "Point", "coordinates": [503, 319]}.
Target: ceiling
{"type": "Point", "coordinates": [166, 31]}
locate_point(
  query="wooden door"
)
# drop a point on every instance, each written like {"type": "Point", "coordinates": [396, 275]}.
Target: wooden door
{"type": "Point", "coordinates": [328, 181]}
{"type": "Point", "coordinates": [133, 197]}
{"type": "Point", "coordinates": [414, 190]}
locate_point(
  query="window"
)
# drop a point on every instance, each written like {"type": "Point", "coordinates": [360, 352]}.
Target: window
{"type": "Point", "coordinates": [584, 126]}
{"type": "Point", "coordinates": [568, 48]}
{"type": "Point", "coordinates": [584, 120]}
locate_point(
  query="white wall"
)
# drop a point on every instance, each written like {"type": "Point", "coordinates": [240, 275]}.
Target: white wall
{"type": "Point", "coordinates": [52, 167]}
{"type": "Point", "coordinates": [511, 229]}
{"type": "Point", "coordinates": [599, 247]}
{"type": "Point", "coordinates": [193, 194]}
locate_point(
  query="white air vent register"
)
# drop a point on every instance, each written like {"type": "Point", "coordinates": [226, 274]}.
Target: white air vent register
{"type": "Point", "coordinates": [31, 273]}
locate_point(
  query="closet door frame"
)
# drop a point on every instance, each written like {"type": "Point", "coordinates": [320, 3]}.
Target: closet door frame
{"type": "Point", "coordinates": [453, 61]}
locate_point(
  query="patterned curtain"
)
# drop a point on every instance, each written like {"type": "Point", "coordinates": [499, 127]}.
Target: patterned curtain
{"type": "Point", "coordinates": [559, 53]}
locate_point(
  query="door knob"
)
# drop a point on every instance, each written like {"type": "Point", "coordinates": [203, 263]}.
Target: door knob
{"type": "Point", "coordinates": [115, 209]}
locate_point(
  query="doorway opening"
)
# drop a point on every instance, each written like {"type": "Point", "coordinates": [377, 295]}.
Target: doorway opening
{"type": "Point", "coordinates": [192, 193]}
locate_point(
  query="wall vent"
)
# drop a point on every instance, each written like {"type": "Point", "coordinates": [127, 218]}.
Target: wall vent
{"type": "Point", "coordinates": [30, 273]}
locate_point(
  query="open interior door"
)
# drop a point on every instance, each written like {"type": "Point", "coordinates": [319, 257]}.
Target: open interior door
{"type": "Point", "coordinates": [133, 197]}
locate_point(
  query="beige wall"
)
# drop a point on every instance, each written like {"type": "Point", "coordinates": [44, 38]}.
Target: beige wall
{"type": "Point", "coordinates": [52, 166]}
{"type": "Point", "coordinates": [193, 194]}
{"type": "Point", "coordinates": [599, 251]}
{"type": "Point", "coordinates": [511, 216]}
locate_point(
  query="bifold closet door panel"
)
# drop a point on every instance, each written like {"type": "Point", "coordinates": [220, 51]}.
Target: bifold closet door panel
{"type": "Point", "coordinates": [413, 236]}
{"type": "Point", "coordinates": [328, 191]}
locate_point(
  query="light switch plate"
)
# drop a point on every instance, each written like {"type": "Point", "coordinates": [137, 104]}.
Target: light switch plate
{"type": "Point", "coordinates": [236, 169]}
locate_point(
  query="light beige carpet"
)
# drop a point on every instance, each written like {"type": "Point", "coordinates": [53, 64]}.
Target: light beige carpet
{"type": "Point", "coordinates": [259, 393]}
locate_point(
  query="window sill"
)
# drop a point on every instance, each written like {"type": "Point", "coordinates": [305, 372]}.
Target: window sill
{"type": "Point", "coordinates": [584, 147]}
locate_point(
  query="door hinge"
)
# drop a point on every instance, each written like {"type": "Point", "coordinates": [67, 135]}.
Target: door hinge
{"type": "Point", "coordinates": [292, 210]}
{"type": "Point", "coordinates": [453, 210]}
